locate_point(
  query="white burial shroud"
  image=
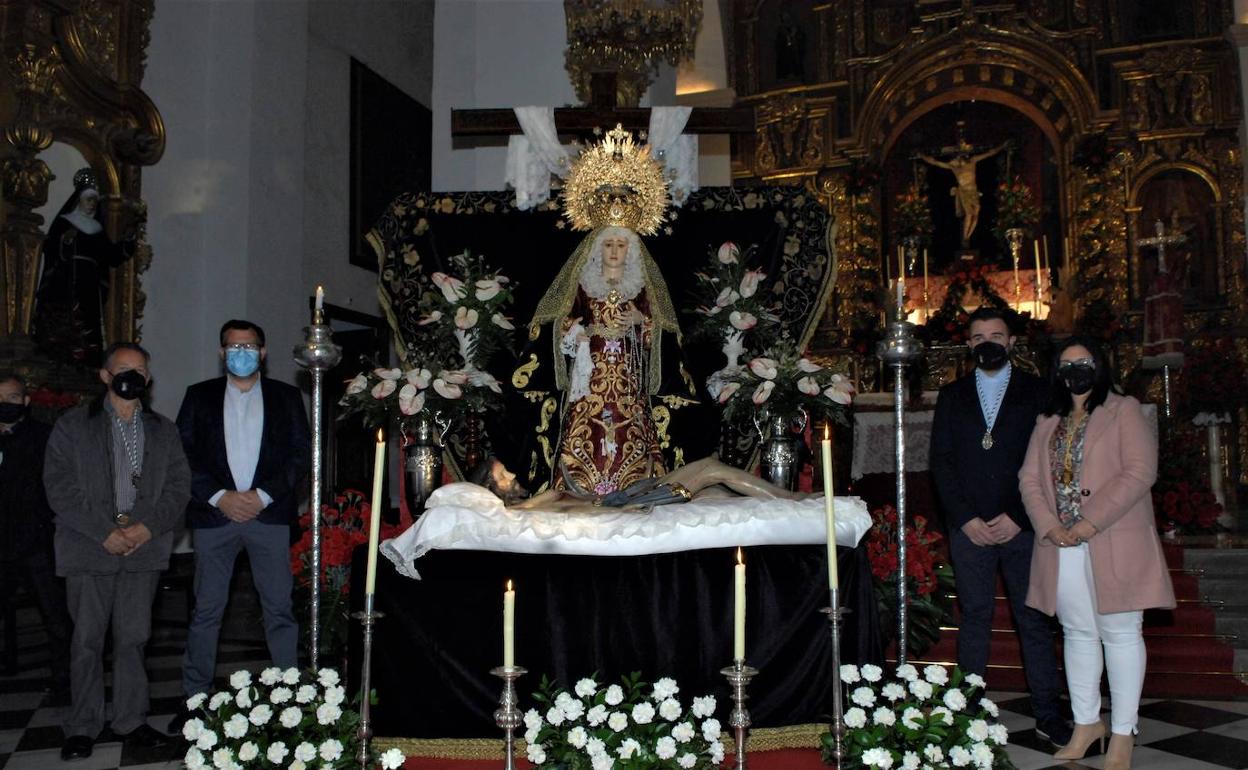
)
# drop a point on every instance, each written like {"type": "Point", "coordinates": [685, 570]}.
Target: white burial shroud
{"type": "Point", "coordinates": [467, 517]}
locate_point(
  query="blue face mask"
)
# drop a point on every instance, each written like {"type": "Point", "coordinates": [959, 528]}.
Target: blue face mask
{"type": "Point", "coordinates": [242, 363]}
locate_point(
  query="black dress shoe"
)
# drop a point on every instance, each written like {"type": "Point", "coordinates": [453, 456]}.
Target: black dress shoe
{"type": "Point", "coordinates": [144, 737]}
{"type": "Point", "coordinates": [178, 722]}
{"type": "Point", "coordinates": [1054, 729]}
{"type": "Point", "coordinates": [77, 747]}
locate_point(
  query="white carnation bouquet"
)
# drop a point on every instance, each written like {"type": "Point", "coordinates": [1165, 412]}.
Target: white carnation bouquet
{"type": "Point", "coordinates": [281, 719]}
{"type": "Point", "coordinates": [936, 718]}
{"type": "Point", "coordinates": [627, 726]}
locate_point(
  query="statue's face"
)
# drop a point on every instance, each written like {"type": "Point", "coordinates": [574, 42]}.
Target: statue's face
{"type": "Point", "coordinates": [88, 201]}
{"type": "Point", "coordinates": [614, 251]}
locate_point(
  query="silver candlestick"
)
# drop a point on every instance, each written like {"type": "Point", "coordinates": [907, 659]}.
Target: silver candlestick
{"type": "Point", "coordinates": [365, 730]}
{"type": "Point", "coordinates": [739, 676]}
{"type": "Point", "coordinates": [834, 614]}
{"type": "Point", "coordinates": [507, 716]}
{"type": "Point", "coordinates": [899, 349]}
{"type": "Point", "coordinates": [317, 353]}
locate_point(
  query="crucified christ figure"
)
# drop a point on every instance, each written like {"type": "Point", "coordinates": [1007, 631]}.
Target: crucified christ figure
{"type": "Point", "coordinates": [966, 195]}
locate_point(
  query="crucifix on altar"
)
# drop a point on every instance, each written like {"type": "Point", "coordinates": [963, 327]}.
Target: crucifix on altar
{"type": "Point", "coordinates": [1163, 312]}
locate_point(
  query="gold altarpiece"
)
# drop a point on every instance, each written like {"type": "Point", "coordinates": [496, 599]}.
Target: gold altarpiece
{"type": "Point", "coordinates": [70, 73]}
{"type": "Point", "coordinates": [838, 84]}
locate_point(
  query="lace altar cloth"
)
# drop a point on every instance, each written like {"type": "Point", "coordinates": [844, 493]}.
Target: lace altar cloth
{"type": "Point", "coordinates": [467, 517]}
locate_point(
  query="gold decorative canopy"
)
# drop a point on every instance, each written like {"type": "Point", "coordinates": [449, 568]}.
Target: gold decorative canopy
{"type": "Point", "coordinates": [616, 183]}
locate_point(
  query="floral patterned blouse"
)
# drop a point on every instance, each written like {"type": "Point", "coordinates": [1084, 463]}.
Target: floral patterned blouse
{"type": "Point", "coordinates": [1066, 460]}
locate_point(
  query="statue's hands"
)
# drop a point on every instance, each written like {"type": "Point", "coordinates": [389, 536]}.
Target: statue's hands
{"type": "Point", "coordinates": [632, 316]}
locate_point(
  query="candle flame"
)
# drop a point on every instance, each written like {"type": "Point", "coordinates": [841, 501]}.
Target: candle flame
{"type": "Point", "coordinates": [740, 560]}
{"type": "Point", "coordinates": [827, 433]}
{"type": "Point", "coordinates": [381, 435]}
{"type": "Point", "coordinates": [320, 289]}
{"type": "Point", "coordinates": [509, 585]}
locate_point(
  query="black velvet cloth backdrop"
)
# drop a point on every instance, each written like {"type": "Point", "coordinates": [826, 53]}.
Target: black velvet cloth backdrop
{"type": "Point", "coordinates": [663, 615]}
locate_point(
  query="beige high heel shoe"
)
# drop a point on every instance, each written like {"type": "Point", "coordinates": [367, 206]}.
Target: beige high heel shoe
{"type": "Point", "coordinates": [1118, 757]}
{"type": "Point", "coordinates": [1081, 739]}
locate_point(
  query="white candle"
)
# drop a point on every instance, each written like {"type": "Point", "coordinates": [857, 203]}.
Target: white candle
{"type": "Point", "coordinates": [509, 626]}
{"type": "Point", "coordinates": [901, 283]}
{"type": "Point", "coordinates": [738, 614]}
{"type": "Point", "coordinates": [829, 503]}
{"type": "Point", "coordinates": [374, 523]}
{"type": "Point", "coordinates": [320, 297]}
{"type": "Point", "coordinates": [1036, 303]}
{"type": "Point", "coordinates": [925, 303]}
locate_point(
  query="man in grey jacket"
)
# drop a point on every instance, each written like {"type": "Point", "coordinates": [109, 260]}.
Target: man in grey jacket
{"type": "Point", "coordinates": [118, 482]}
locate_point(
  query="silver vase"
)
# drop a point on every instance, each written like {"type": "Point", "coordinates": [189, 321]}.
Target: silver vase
{"type": "Point", "coordinates": [781, 451]}
{"type": "Point", "coordinates": [422, 461]}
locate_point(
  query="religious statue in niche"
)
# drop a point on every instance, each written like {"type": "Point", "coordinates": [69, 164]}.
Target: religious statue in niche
{"type": "Point", "coordinates": [1184, 203]}
{"type": "Point", "coordinates": [609, 314]}
{"type": "Point", "coordinates": [1163, 305]}
{"type": "Point", "coordinates": [966, 193]}
{"type": "Point", "coordinates": [790, 48]}
{"type": "Point", "coordinates": [77, 257]}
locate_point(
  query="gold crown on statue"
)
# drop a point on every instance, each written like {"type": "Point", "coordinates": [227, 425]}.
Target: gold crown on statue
{"type": "Point", "coordinates": [616, 183]}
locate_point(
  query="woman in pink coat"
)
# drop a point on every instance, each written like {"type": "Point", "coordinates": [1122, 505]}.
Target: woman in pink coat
{"type": "Point", "coordinates": [1097, 562]}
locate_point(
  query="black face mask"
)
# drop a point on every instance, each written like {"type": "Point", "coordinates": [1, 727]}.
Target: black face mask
{"type": "Point", "coordinates": [1079, 378]}
{"type": "Point", "coordinates": [130, 384]}
{"type": "Point", "coordinates": [11, 413]}
{"type": "Point", "coordinates": [991, 356]}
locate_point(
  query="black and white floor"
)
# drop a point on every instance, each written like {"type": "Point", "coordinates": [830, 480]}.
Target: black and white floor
{"type": "Point", "coordinates": [1174, 734]}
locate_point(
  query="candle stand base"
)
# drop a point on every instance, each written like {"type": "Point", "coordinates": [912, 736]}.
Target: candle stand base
{"type": "Point", "coordinates": [507, 716]}
{"type": "Point", "coordinates": [834, 614]}
{"type": "Point", "coordinates": [365, 731]}
{"type": "Point", "coordinates": [739, 676]}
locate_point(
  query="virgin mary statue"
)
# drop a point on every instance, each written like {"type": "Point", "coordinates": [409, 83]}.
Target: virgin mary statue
{"type": "Point", "coordinates": [609, 312]}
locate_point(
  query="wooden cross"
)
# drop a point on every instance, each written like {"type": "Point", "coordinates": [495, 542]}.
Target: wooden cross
{"type": "Point", "coordinates": [603, 112]}
{"type": "Point", "coordinates": [1161, 241]}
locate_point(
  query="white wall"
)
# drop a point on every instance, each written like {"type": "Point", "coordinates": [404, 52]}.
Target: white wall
{"type": "Point", "coordinates": [248, 208]}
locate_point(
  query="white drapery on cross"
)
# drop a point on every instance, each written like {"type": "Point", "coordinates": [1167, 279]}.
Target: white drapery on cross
{"type": "Point", "coordinates": [536, 154]}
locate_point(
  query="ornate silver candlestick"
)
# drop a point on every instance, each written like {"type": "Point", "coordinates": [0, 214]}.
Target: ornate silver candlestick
{"type": "Point", "coordinates": [507, 716]}
{"type": "Point", "coordinates": [317, 353]}
{"type": "Point", "coordinates": [834, 614]}
{"type": "Point", "coordinates": [739, 676]}
{"type": "Point", "coordinates": [365, 730]}
{"type": "Point", "coordinates": [898, 350]}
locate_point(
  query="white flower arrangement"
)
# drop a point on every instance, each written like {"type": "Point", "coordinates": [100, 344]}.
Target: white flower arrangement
{"type": "Point", "coordinates": [292, 719]}
{"type": "Point", "coordinates": [626, 726]}
{"type": "Point", "coordinates": [734, 302]}
{"type": "Point", "coordinates": [467, 308]}
{"type": "Point", "coordinates": [919, 720]}
{"type": "Point", "coordinates": [784, 382]}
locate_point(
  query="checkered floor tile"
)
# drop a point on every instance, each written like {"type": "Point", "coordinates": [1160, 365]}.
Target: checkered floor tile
{"type": "Point", "coordinates": [1174, 735]}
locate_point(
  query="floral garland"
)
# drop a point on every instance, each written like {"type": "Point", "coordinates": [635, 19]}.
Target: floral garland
{"type": "Point", "coordinates": [289, 718]}
{"type": "Point", "coordinates": [1015, 208]}
{"type": "Point", "coordinates": [344, 525]}
{"type": "Point", "coordinates": [913, 215]}
{"type": "Point", "coordinates": [783, 382]}
{"type": "Point", "coordinates": [938, 719]}
{"type": "Point", "coordinates": [626, 726]}
{"type": "Point", "coordinates": [928, 577]}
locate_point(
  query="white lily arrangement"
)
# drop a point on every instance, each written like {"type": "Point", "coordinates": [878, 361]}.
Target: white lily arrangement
{"type": "Point", "coordinates": [783, 382]}
{"type": "Point", "coordinates": [734, 303]}
{"type": "Point", "coordinates": [937, 718]}
{"type": "Point", "coordinates": [466, 315]}
{"type": "Point", "coordinates": [282, 719]}
{"type": "Point", "coordinates": [627, 726]}
{"type": "Point", "coordinates": [384, 393]}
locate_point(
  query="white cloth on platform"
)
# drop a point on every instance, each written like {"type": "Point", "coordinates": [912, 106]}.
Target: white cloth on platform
{"type": "Point", "coordinates": [462, 516]}
{"type": "Point", "coordinates": [534, 156]}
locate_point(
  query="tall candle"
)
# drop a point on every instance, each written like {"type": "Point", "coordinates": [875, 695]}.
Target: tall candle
{"type": "Point", "coordinates": [1035, 305]}
{"type": "Point", "coordinates": [925, 296]}
{"type": "Point", "coordinates": [829, 507]}
{"type": "Point", "coordinates": [374, 522]}
{"type": "Point", "coordinates": [320, 297]}
{"type": "Point", "coordinates": [509, 626]}
{"type": "Point", "coordinates": [901, 283]}
{"type": "Point", "coordinates": [738, 610]}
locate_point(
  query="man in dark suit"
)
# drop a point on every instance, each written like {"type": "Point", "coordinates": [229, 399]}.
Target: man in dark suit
{"type": "Point", "coordinates": [980, 432]}
{"type": "Point", "coordinates": [117, 479]}
{"type": "Point", "coordinates": [247, 440]}
{"type": "Point", "coordinates": [26, 555]}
